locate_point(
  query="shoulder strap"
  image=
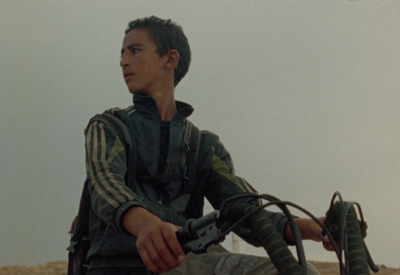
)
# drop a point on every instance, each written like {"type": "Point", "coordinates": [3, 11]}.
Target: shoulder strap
{"type": "Point", "coordinates": [190, 152]}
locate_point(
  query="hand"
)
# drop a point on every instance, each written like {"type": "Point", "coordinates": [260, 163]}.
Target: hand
{"type": "Point", "coordinates": [327, 244]}
{"type": "Point", "coordinates": [158, 246]}
{"type": "Point", "coordinates": [156, 243]}
{"type": "Point", "coordinates": [309, 229]}
{"type": "Point", "coordinates": [319, 236]}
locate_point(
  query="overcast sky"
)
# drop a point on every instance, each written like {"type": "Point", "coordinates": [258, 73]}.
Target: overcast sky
{"type": "Point", "coordinates": [304, 94]}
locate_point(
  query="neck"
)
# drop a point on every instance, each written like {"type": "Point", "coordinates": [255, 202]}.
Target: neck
{"type": "Point", "coordinates": [166, 105]}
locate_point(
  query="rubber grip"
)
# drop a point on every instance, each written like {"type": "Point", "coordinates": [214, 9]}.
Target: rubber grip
{"type": "Point", "coordinates": [266, 234]}
{"type": "Point", "coordinates": [358, 262]}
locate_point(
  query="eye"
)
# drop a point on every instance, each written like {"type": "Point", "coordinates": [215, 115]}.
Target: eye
{"type": "Point", "coordinates": [134, 50]}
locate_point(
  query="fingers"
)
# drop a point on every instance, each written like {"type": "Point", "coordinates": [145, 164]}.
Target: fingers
{"type": "Point", "coordinates": [160, 250]}
{"type": "Point", "coordinates": [156, 255]}
{"type": "Point", "coordinates": [327, 244]}
{"type": "Point", "coordinates": [174, 245]}
{"type": "Point", "coordinates": [144, 255]}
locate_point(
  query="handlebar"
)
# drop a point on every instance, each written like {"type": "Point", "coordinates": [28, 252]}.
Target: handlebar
{"type": "Point", "coordinates": [197, 235]}
{"type": "Point", "coordinates": [268, 237]}
{"type": "Point", "coordinates": [342, 222]}
{"type": "Point", "coordinates": [200, 233]}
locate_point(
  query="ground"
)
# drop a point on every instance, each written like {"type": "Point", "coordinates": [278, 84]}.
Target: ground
{"type": "Point", "coordinates": [60, 268]}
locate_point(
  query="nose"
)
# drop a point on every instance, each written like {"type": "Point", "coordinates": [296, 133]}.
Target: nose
{"type": "Point", "coordinates": [124, 61]}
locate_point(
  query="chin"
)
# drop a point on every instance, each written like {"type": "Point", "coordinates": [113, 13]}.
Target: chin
{"type": "Point", "coordinates": [137, 91]}
{"type": "Point", "coordinates": [133, 90]}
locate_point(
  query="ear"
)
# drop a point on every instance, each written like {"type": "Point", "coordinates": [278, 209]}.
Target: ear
{"type": "Point", "coordinates": [172, 59]}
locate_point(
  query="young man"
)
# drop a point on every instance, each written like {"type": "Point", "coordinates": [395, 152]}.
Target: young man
{"type": "Point", "coordinates": [133, 224]}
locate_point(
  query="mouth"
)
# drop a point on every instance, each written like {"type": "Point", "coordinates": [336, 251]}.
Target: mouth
{"type": "Point", "coordinates": [127, 75]}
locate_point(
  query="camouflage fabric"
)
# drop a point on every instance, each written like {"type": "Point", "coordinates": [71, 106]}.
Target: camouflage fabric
{"type": "Point", "coordinates": [219, 261]}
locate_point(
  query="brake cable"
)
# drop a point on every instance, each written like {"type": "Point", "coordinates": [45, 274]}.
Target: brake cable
{"type": "Point", "coordinates": [198, 234]}
{"type": "Point", "coordinates": [272, 201]}
{"type": "Point", "coordinates": [343, 223]}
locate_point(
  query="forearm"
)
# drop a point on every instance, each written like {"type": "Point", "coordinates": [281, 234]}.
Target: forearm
{"type": "Point", "coordinates": [309, 230]}
{"type": "Point", "coordinates": [137, 217]}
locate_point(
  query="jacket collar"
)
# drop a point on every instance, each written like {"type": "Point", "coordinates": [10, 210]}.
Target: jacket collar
{"type": "Point", "coordinates": [146, 104]}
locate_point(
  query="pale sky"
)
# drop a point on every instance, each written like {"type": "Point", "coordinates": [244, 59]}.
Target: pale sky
{"type": "Point", "coordinates": [304, 94]}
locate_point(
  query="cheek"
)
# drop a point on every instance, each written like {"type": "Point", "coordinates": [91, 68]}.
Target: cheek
{"type": "Point", "coordinates": [139, 63]}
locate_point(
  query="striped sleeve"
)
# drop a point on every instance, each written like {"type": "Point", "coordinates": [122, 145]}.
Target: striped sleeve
{"type": "Point", "coordinates": [224, 183]}
{"type": "Point", "coordinates": [222, 180]}
{"type": "Point", "coordinates": [106, 167]}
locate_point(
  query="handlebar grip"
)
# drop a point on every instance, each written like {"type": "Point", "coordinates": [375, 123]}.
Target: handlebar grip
{"type": "Point", "coordinates": [344, 226]}
{"type": "Point", "coordinates": [357, 254]}
{"type": "Point", "coordinates": [268, 236]}
{"type": "Point", "coordinates": [184, 235]}
{"type": "Point", "coordinates": [198, 234]}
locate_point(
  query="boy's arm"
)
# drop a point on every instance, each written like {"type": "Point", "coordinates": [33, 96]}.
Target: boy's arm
{"type": "Point", "coordinates": [116, 204]}
{"type": "Point", "coordinates": [156, 242]}
{"type": "Point", "coordinates": [106, 168]}
{"type": "Point", "coordinates": [309, 230]}
{"type": "Point", "coordinates": [224, 183]}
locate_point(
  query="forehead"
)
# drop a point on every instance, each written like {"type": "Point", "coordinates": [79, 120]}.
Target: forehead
{"type": "Point", "coordinates": [137, 36]}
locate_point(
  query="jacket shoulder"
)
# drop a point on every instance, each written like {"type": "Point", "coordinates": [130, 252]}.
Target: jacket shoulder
{"type": "Point", "coordinates": [121, 111]}
{"type": "Point", "coordinates": [209, 136]}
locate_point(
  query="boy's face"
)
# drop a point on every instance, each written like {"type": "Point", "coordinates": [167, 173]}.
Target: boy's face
{"type": "Point", "coordinates": [142, 66]}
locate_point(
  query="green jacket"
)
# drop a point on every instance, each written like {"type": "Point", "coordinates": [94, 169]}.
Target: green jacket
{"type": "Point", "coordinates": [164, 194]}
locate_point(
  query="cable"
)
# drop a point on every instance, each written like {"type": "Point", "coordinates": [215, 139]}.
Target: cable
{"type": "Point", "coordinates": [265, 234]}
{"type": "Point", "coordinates": [343, 223]}
{"type": "Point", "coordinates": [243, 208]}
{"type": "Point", "coordinates": [350, 233]}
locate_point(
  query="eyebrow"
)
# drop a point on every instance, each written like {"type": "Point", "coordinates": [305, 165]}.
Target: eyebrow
{"type": "Point", "coordinates": [130, 47]}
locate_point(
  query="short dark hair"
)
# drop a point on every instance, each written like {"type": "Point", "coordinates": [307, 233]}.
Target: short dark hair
{"type": "Point", "coordinates": [167, 35]}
